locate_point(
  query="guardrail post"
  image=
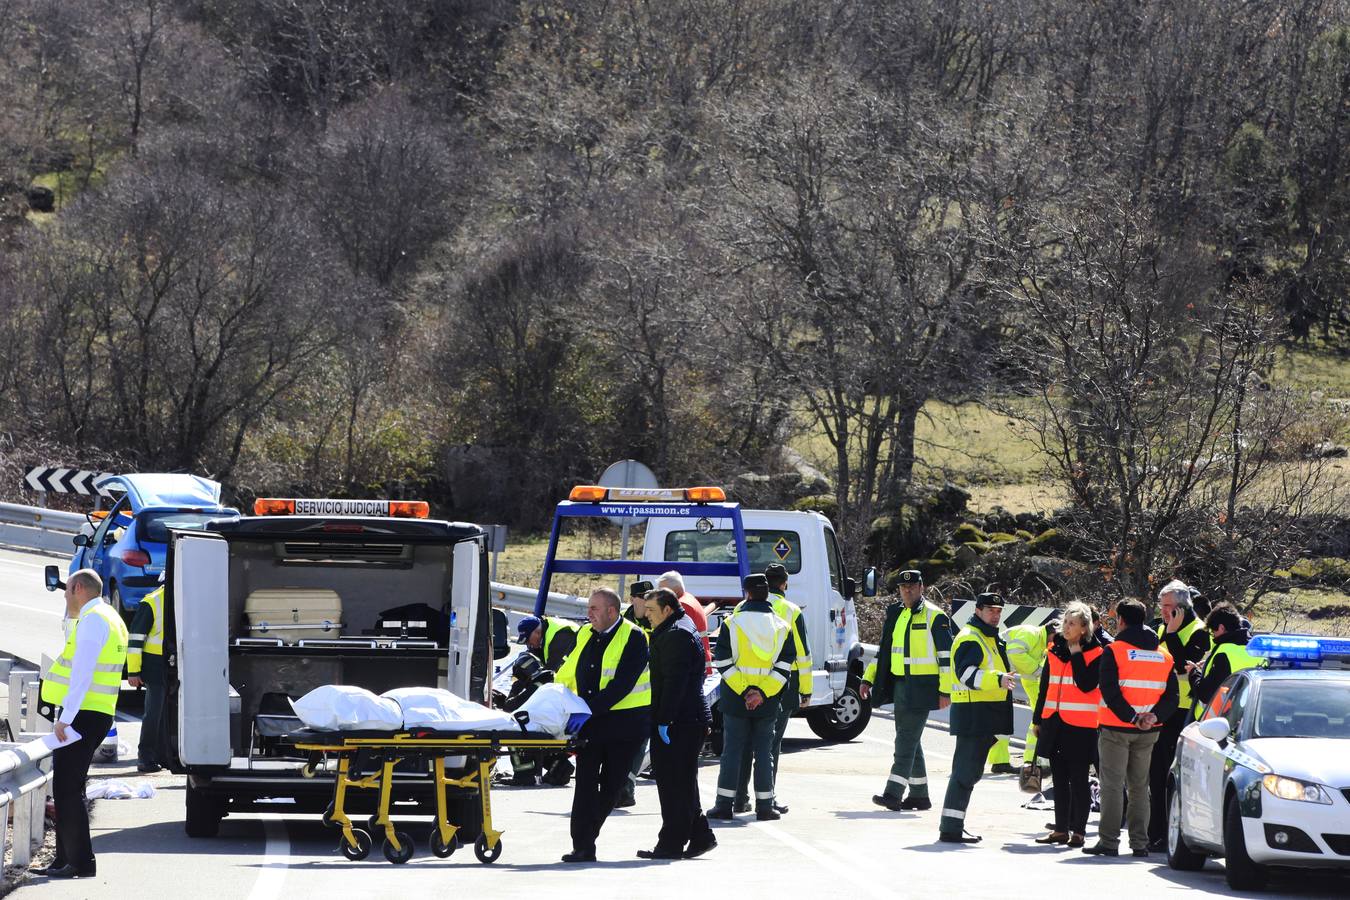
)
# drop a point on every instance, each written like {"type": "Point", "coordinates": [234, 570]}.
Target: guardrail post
{"type": "Point", "coordinates": [21, 851]}
{"type": "Point", "coordinates": [38, 799]}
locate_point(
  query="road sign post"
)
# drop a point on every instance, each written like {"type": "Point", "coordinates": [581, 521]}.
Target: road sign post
{"type": "Point", "coordinates": [627, 473]}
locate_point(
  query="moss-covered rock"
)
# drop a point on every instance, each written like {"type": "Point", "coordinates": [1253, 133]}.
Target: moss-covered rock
{"type": "Point", "coordinates": [1050, 542]}
{"type": "Point", "coordinates": [945, 553]}
{"type": "Point", "coordinates": [1003, 537]}
{"type": "Point", "coordinates": [967, 532]}
{"type": "Point", "coordinates": [1024, 534]}
{"type": "Point", "coordinates": [825, 504]}
{"type": "Point", "coordinates": [1326, 570]}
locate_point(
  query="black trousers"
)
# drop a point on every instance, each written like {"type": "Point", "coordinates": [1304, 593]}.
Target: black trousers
{"type": "Point", "coordinates": [152, 672]}
{"type": "Point", "coordinates": [602, 771]}
{"type": "Point", "coordinates": [1164, 752]}
{"type": "Point", "coordinates": [676, 768]}
{"type": "Point", "coordinates": [70, 771]}
{"type": "Point", "coordinates": [1073, 791]}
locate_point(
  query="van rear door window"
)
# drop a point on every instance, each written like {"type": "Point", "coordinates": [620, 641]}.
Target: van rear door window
{"type": "Point", "coordinates": [765, 548]}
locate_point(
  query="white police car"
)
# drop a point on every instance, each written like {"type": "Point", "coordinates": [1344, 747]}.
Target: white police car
{"type": "Point", "coordinates": [1263, 779]}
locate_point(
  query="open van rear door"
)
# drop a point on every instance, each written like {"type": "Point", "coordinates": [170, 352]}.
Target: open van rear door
{"type": "Point", "coordinates": [201, 603]}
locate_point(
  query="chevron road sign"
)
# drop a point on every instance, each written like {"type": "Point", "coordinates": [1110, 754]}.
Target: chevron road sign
{"type": "Point", "coordinates": [1013, 614]}
{"type": "Point", "coordinates": [57, 480]}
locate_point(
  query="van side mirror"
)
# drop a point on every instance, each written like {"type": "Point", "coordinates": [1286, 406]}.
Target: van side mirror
{"type": "Point", "coordinates": [869, 585]}
{"type": "Point", "coordinates": [501, 631]}
{"type": "Point", "coordinates": [80, 540]}
{"type": "Point", "coordinates": [52, 575]}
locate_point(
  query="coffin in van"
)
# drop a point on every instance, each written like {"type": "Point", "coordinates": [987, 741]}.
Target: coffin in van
{"type": "Point", "coordinates": [294, 614]}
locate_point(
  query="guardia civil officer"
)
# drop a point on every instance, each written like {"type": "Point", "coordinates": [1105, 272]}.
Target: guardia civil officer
{"type": "Point", "coordinates": [608, 669]}
{"type": "Point", "coordinates": [913, 671]}
{"type": "Point", "coordinates": [83, 682]}
{"type": "Point", "coordinates": [754, 653]}
{"type": "Point", "coordinates": [791, 613]}
{"type": "Point", "coordinates": [145, 667]}
{"type": "Point", "coordinates": [637, 614]}
{"type": "Point", "coordinates": [981, 710]}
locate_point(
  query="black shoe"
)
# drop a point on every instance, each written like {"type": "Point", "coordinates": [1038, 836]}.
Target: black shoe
{"type": "Point", "coordinates": [48, 869]}
{"type": "Point", "coordinates": [700, 848]}
{"type": "Point", "coordinates": [1141, 853]}
{"type": "Point", "coordinates": [722, 813]}
{"type": "Point", "coordinates": [780, 808]}
{"type": "Point", "coordinates": [576, 856]}
{"type": "Point", "coordinates": [69, 871]}
{"type": "Point", "coordinates": [768, 815]}
{"type": "Point", "coordinates": [625, 802]}
{"type": "Point", "coordinates": [741, 806]}
{"type": "Point", "coordinates": [894, 804]}
{"type": "Point", "coordinates": [1099, 850]}
{"type": "Point", "coordinates": [1002, 769]}
{"type": "Point", "coordinates": [920, 805]}
{"type": "Point", "coordinates": [657, 854]}
{"type": "Point", "coordinates": [148, 768]}
{"type": "Point", "coordinates": [963, 838]}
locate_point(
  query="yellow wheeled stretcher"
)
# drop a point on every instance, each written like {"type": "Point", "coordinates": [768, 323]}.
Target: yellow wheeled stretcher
{"type": "Point", "coordinates": [367, 759]}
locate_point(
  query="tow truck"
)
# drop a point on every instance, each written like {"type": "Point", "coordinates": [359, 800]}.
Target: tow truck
{"type": "Point", "coordinates": [714, 544]}
{"type": "Point", "coordinates": [371, 593]}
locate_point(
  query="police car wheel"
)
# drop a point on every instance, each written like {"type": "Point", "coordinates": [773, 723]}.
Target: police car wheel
{"type": "Point", "coordinates": [1241, 872]}
{"type": "Point", "coordinates": [1179, 855]}
{"type": "Point", "coordinates": [439, 848]}
{"type": "Point", "coordinates": [485, 855]}
{"type": "Point", "coordinates": [403, 853]}
{"type": "Point", "coordinates": [362, 848]}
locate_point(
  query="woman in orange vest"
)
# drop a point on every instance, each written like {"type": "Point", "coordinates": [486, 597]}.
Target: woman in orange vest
{"type": "Point", "coordinates": [1066, 721]}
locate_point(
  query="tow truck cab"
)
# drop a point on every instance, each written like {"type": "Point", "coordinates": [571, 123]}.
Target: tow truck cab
{"type": "Point", "coordinates": [412, 610]}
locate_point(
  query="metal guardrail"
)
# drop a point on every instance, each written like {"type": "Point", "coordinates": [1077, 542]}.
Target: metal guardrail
{"type": "Point", "coordinates": [25, 767]}
{"type": "Point", "coordinates": [35, 528]}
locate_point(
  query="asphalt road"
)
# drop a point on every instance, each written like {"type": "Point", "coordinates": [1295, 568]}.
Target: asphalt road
{"type": "Point", "coordinates": [833, 842]}
{"type": "Point", "coordinates": [30, 615]}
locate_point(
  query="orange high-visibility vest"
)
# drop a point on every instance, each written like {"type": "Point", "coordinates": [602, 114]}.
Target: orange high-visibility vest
{"type": "Point", "coordinates": [1142, 677]}
{"type": "Point", "coordinates": [1062, 696]}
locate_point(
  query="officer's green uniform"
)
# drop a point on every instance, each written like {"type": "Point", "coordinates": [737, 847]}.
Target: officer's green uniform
{"type": "Point", "coordinates": [913, 671]}
{"type": "Point", "coordinates": [145, 658]}
{"type": "Point", "coordinates": [1027, 646]}
{"type": "Point", "coordinates": [637, 614]}
{"type": "Point", "coordinates": [980, 709]}
{"type": "Point", "coordinates": [790, 613]}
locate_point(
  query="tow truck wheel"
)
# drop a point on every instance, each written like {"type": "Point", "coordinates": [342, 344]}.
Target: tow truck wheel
{"type": "Point", "coordinates": [362, 848]}
{"type": "Point", "coordinates": [203, 814]}
{"type": "Point", "coordinates": [439, 848]}
{"type": "Point", "coordinates": [1241, 872]}
{"type": "Point", "coordinates": [403, 853]}
{"type": "Point", "coordinates": [1179, 856]}
{"type": "Point", "coordinates": [843, 721]}
{"type": "Point", "coordinates": [480, 850]}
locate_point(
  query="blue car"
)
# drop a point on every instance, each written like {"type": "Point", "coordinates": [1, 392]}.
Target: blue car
{"type": "Point", "coordinates": [127, 545]}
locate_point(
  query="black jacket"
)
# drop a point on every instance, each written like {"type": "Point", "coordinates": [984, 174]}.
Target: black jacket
{"type": "Point", "coordinates": [605, 723]}
{"type": "Point", "coordinates": [1086, 676]}
{"type": "Point", "coordinates": [1193, 650]}
{"type": "Point", "coordinates": [1110, 680]}
{"type": "Point", "coordinates": [677, 664]}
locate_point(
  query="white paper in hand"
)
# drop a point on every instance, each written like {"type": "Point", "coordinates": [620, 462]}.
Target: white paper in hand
{"type": "Point", "coordinates": [51, 742]}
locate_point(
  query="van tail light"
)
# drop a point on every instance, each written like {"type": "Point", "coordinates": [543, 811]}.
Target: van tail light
{"type": "Point", "coordinates": [136, 558]}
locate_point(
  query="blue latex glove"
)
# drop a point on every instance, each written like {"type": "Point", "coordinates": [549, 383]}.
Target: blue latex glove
{"type": "Point", "coordinates": [664, 732]}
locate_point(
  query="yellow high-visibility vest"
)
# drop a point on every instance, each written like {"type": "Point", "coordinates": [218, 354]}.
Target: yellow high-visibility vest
{"type": "Point", "coordinates": [640, 695]}
{"type": "Point", "coordinates": [107, 680]}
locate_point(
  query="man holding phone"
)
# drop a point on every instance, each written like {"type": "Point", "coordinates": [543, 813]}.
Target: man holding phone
{"type": "Point", "coordinates": [1187, 641]}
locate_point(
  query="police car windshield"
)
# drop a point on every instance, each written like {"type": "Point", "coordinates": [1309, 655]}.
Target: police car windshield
{"type": "Point", "coordinates": [155, 526]}
{"type": "Point", "coordinates": [1304, 708]}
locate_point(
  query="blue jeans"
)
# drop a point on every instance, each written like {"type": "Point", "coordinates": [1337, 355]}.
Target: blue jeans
{"type": "Point", "coordinates": [744, 736]}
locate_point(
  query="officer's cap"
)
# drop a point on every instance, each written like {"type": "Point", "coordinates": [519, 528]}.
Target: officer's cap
{"type": "Point", "coordinates": [755, 581]}
{"type": "Point", "coordinates": [911, 576]}
{"type": "Point", "coordinates": [776, 573]}
{"type": "Point", "coordinates": [641, 589]}
{"type": "Point", "coordinates": [526, 626]}
{"type": "Point", "coordinates": [984, 601]}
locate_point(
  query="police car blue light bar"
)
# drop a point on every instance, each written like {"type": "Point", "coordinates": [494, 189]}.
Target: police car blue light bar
{"type": "Point", "coordinates": [1298, 647]}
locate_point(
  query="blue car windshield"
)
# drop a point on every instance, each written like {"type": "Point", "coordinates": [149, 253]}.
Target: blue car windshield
{"type": "Point", "coordinates": [1304, 708]}
{"type": "Point", "coordinates": [155, 526]}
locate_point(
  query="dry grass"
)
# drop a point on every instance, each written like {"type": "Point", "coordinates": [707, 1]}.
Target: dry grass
{"type": "Point", "coordinates": [1304, 611]}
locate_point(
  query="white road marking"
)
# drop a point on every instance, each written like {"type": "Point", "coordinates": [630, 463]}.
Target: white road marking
{"type": "Point", "coordinates": [836, 865]}
{"type": "Point", "coordinates": [34, 609]}
{"type": "Point", "coordinates": [26, 565]}
{"type": "Point", "coordinates": [278, 856]}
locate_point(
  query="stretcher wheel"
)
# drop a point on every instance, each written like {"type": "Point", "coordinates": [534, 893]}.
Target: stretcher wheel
{"type": "Point", "coordinates": [328, 817]}
{"type": "Point", "coordinates": [404, 853]}
{"type": "Point", "coordinates": [373, 824]}
{"type": "Point", "coordinates": [439, 848]}
{"type": "Point", "coordinates": [480, 850]}
{"type": "Point", "coordinates": [362, 848]}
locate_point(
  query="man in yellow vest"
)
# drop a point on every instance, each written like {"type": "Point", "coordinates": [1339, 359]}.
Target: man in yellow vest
{"type": "Point", "coordinates": [145, 667]}
{"type": "Point", "coordinates": [83, 682]}
{"type": "Point", "coordinates": [981, 709]}
{"type": "Point", "coordinates": [549, 638]}
{"type": "Point", "coordinates": [913, 670]}
{"type": "Point", "coordinates": [754, 655]}
{"type": "Point", "coordinates": [1027, 646]}
{"type": "Point", "coordinates": [608, 669]}
{"type": "Point", "coordinates": [1230, 636]}
{"type": "Point", "coordinates": [1184, 637]}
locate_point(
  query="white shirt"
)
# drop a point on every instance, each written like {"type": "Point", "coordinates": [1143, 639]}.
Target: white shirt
{"type": "Point", "coordinates": [89, 640]}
